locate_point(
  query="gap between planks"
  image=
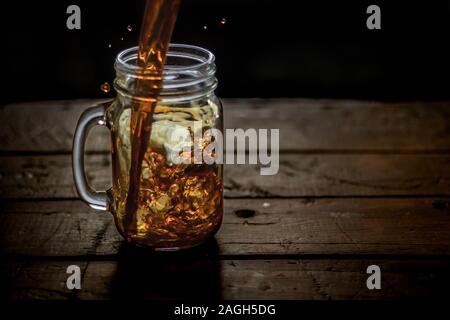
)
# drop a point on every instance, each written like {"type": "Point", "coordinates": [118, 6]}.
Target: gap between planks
{"type": "Point", "coordinates": [282, 152]}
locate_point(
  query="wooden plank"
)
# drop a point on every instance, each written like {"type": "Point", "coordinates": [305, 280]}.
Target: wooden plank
{"type": "Point", "coordinates": [299, 176]}
{"type": "Point", "coordinates": [278, 226]}
{"type": "Point", "coordinates": [46, 126]}
{"type": "Point", "coordinates": [49, 176]}
{"type": "Point", "coordinates": [146, 278]}
{"type": "Point", "coordinates": [306, 124]}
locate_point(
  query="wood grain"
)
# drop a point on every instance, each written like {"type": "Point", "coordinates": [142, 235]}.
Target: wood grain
{"type": "Point", "coordinates": [360, 183]}
{"type": "Point", "coordinates": [289, 226]}
{"type": "Point", "coordinates": [299, 176]}
{"type": "Point", "coordinates": [305, 125]}
{"type": "Point", "coordinates": [206, 280]}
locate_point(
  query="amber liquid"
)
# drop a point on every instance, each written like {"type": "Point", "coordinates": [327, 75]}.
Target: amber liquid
{"type": "Point", "coordinates": [159, 203]}
{"type": "Point", "coordinates": [159, 21]}
{"type": "Point", "coordinates": [178, 205]}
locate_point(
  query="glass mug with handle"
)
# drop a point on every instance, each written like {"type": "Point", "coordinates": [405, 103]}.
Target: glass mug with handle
{"type": "Point", "coordinates": [180, 204]}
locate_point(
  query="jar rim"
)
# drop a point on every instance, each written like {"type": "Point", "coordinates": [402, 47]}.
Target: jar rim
{"type": "Point", "coordinates": [202, 56]}
{"type": "Point", "coordinates": [189, 73]}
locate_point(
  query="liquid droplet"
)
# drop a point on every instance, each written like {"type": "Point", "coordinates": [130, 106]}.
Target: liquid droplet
{"type": "Point", "coordinates": [121, 38]}
{"type": "Point", "coordinates": [105, 87]}
{"type": "Point", "coordinates": [205, 27]}
{"type": "Point", "coordinates": [129, 28]}
{"type": "Point", "coordinates": [109, 45]}
{"type": "Point", "coordinates": [223, 21]}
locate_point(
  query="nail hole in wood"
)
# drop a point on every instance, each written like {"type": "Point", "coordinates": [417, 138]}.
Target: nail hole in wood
{"type": "Point", "coordinates": [245, 213]}
{"type": "Point", "coordinates": [440, 204]}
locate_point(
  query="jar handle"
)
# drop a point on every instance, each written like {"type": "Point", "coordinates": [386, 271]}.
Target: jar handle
{"type": "Point", "coordinates": [89, 118]}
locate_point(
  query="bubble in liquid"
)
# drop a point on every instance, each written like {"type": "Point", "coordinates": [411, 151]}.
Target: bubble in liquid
{"type": "Point", "coordinates": [223, 21]}
{"type": "Point", "coordinates": [105, 87]}
{"type": "Point", "coordinates": [129, 28]}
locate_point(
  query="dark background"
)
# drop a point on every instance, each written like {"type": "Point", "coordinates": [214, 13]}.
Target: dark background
{"type": "Point", "coordinates": [265, 49]}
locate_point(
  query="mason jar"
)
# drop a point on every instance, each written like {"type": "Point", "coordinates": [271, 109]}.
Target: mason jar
{"type": "Point", "coordinates": [178, 204]}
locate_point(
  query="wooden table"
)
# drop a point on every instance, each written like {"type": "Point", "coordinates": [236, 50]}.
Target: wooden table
{"type": "Point", "coordinates": [360, 183]}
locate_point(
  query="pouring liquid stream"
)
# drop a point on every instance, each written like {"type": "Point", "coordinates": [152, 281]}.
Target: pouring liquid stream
{"type": "Point", "coordinates": [158, 23]}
